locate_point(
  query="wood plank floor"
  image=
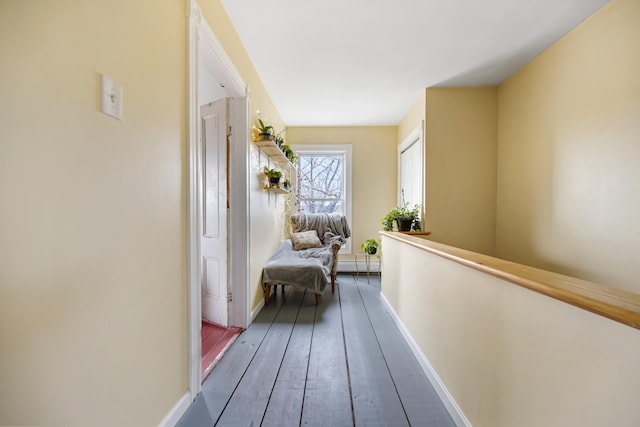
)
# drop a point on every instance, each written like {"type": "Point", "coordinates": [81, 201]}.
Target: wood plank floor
{"type": "Point", "coordinates": [341, 363]}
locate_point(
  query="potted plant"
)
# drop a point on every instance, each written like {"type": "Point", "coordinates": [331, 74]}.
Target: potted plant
{"type": "Point", "coordinates": [286, 184]}
{"type": "Point", "coordinates": [288, 152]}
{"type": "Point", "coordinates": [274, 176]}
{"type": "Point", "coordinates": [265, 131]}
{"type": "Point", "coordinates": [279, 139]}
{"type": "Point", "coordinates": [370, 247]}
{"type": "Point", "coordinates": [402, 218]}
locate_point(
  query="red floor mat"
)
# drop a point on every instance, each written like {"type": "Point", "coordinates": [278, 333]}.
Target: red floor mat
{"type": "Point", "coordinates": [215, 341]}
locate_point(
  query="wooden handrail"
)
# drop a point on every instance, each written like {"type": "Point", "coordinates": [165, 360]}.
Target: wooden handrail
{"type": "Point", "coordinates": [615, 304]}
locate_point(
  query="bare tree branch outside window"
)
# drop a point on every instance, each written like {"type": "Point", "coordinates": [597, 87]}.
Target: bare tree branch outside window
{"type": "Point", "coordinates": [321, 183]}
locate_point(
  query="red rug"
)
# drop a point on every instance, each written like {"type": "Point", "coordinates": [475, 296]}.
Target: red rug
{"type": "Point", "coordinates": [215, 341]}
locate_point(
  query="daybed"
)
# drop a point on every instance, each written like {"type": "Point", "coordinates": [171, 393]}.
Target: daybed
{"type": "Point", "coordinates": [310, 258]}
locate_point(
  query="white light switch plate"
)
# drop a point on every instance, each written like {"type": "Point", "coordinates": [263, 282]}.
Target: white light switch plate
{"type": "Point", "coordinates": [111, 97]}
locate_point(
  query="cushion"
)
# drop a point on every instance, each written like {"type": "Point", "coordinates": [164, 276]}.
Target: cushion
{"type": "Point", "coordinates": [306, 240]}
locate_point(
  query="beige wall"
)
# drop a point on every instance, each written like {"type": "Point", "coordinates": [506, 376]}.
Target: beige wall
{"type": "Point", "coordinates": [414, 117]}
{"type": "Point", "coordinates": [93, 314]}
{"type": "Point", "coordinates": [509, 356]}
{"type": "Point", "coordinates": [461, 147]}
{"type": "Point", "coordinates": [567, 200]}
{"type": "Point", "coordinates": [569, 144]}
{"type": "Point", "coordinates": [374, 172]}
{"type": "Point", "coordinates": [267, 226]}
{"type": "Point", "coordinates": [93, 290]}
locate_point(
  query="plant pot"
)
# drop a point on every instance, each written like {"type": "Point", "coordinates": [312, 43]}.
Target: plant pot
{"type": "Point", "coordinates": [404, 224]}
{"type": "Point", "coordinates": [265, 136]}
{"type": "Point", "coordinates": [275, 182]}
{"type": "Point", "coordinates": [372, 251]}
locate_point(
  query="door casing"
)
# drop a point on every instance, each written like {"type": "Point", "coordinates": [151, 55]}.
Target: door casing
{"type": "Point", "coordinates": [202, 37]}
{"type": "Point", "coordinates": [415, 137]}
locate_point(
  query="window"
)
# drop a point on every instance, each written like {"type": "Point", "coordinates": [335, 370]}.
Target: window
{"type": "Point", "coordinates": [324, 181]}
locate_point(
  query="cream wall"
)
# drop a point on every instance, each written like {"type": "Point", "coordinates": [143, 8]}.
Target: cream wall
{"type": "Point", "coordinates": [507, 355]}
{"type": "Point", "coordinates": [374, 171]}
{"type": "Point", "coordinates": [93, 296]}
{"type": "Point", "coordinates": [569, 144]}
{"type": "Point", "coordinates": [461, 150]}
{"type": "Point", "coordinates": [414, 117]}
{"type": "Point", "coordinates": [93, 288]}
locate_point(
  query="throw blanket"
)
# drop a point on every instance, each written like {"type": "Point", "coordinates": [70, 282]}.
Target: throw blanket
{"type": "Point", "coordinates": [331, 227]}
{"type": "Point", "coordinates": [308, 268]}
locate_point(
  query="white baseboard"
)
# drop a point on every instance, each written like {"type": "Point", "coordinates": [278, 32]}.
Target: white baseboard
{"type": "Point", "coordinates": [349, 266]}
{"type": "Point", "coordinates": [452, 407]}
{"type": "Point", "coordinates": [255, 311]}
{"type": "Point", "coordinates": [178, 410]}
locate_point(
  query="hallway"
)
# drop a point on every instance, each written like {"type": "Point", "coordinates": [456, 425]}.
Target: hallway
{"type": "Point", "coordinates": [341, 363]}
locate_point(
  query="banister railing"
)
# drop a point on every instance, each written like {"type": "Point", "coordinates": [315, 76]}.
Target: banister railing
{"type": "Point", "coordinates": [615, 304]}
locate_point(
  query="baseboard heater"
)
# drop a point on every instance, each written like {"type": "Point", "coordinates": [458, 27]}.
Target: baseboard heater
{"type": "Point", "coordinates": [350, 266]}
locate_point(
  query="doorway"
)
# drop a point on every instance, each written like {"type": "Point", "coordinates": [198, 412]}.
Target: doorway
{"type": "Point", "coordinates": [212, 77]}
{"type": "Point", "coordinates": [216, 333]}
{"type": "Point", "coordinates": [411, 170]}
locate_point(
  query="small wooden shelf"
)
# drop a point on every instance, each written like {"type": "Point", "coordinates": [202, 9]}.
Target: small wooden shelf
{"type": "Point", "coordinates": [276, 189]}
{"type": "Point", "coordinates": [271, 149]}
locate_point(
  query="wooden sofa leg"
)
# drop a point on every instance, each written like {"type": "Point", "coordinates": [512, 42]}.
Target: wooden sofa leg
{"type": "Point", "coordinates": [317, 298]}
{"type": "Point", "coordinates": [333, 283]}
{"type": "Point", "coordinates": [267, 293]}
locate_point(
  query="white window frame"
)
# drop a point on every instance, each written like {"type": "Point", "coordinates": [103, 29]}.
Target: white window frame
{"type": "Point", "coordinates": [346, 150]}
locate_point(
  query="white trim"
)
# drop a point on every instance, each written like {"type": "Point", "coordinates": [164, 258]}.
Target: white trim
{"type": "Point", "coordinates": [178, 410]}
{"type": "Point", "coordinates": [201, 34]}
{"type": "Point", "coordinates": [226, 72]}
{"type": "Point", "coordinates": [347, 150]}
{"type": "Point", "coordinates": [193, 245]}
{"type": "Point", "coordinates": [452, 407]}
{"type": "Point", "coordinates": [239, 212]}
{"type": "Point", "coordinates": [256, 311]}
{"type": "Point", "coordinates": [415, 137]}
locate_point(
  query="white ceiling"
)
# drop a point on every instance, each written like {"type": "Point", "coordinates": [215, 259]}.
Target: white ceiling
{"type": "Point", "coordinates": [365, 62]}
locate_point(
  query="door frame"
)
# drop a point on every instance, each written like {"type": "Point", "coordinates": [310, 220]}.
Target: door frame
{"type": "Point", "coordinates": [199, 33]}
{"type": "Point", "coordinates": [415, 137]}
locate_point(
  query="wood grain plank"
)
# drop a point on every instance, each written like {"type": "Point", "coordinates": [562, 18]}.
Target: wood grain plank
{"type": "Point", "coordinates": [265, 380]}
{"type": "Point", "coordinates": [327, 400]}
{"type": "Point", "coordinates": [198, 414]}
{"type": "Point", "coordinates": [419, 399]}
{"type": "Point", "coordinates": [375, 399]}
{"type": "Point", "coordinates": [249, 401]}
{"type": "Point", "coordinates": [285, 405]}
{"type": "Point", "coordinates": [223, 380]}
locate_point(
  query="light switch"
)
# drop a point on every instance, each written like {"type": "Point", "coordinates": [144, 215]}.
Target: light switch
{"type": "Point", "coordinates": [111, 97]}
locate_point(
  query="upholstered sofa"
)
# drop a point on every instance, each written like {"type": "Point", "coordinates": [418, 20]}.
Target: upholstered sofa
{"type": "Point", "coordinates": [309, 259]}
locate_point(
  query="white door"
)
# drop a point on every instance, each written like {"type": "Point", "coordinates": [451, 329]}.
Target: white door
{"type": "Point", "coordinates": [410, 171]}
{"type": "Point", "coordinates": [214, 212]}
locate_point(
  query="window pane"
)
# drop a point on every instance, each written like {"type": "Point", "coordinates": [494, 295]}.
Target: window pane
{"type": "Point", "coordinates": [321, 176]}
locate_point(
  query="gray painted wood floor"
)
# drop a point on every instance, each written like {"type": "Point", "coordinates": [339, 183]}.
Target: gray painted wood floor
{"type": "Point", "coordinates": [341, 363]}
